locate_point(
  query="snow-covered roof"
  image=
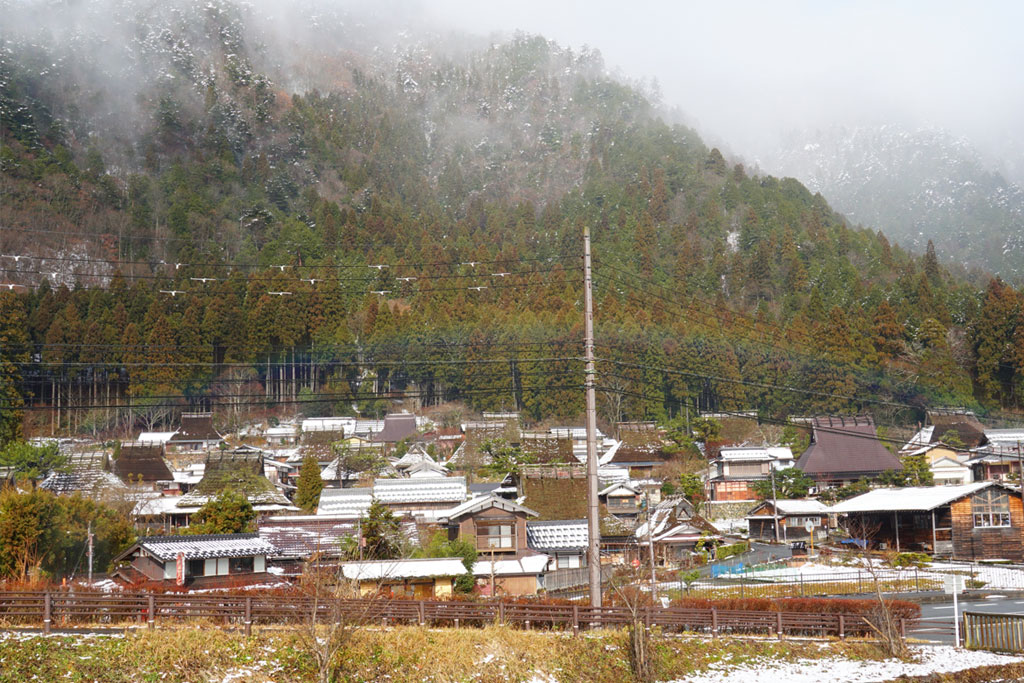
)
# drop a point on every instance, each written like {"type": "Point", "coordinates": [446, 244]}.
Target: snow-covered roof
{"type": "Point", "coordinates": [1005, 435]}
{"type": "Point", "coordinates": [420, 490]}
{"type": "Point", "coordinates": [282, 430]}
{"type": "Point", "coordinates": [155, 437]}
{"type": "Point", "coordinates": [922, 438]}
{"type": "Point", "coordinates": [345, 425]}
{"type": "Point", "coordinates": [614, 488]}
{"type": "Point", "coordinates": [156, 505]}
{"type": "Point", "coordinates": [353, 502]}
{"type": "Point", "coordinates": [530, 564]}
{"type": "Point", "coordinates": [204, 547]}
{"type": "Point", "coordinates": [549, 536]}
{"type": "Point", "coordinates": [426, 469]}
{"type": "Point", "coordinates": [791, 506]}
{"type": "Point", "coordinates": [912, 498]}
{"type": "Point", "coordinates": [757, 453]}
{"type": "Point", "coordinates": [403, 569]}
{"type": "Point", "coordinates": [484, 502]}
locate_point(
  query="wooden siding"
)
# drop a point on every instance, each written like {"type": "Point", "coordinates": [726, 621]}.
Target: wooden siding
{"type": "Point", "coordinates": [987, 543]}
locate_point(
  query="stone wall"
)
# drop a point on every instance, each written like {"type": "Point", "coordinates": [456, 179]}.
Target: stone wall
{"type": "Point", "coordinates": [728, 509]}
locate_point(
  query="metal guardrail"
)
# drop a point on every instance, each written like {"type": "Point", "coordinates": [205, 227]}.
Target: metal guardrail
{"type": "Point", "coordinates": [66, 609]}
{"type": "Point", "coordinates": [996, 632]}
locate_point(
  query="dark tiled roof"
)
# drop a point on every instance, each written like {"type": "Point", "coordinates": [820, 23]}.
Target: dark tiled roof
{"type": "Point", "coordinates": [206, 546]}
{"type": "Point", "coordinates": [142, 462]}
{"type": "Point", "coordinates": [846, 445]}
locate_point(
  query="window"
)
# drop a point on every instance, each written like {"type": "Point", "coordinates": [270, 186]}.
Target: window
{"type": "Point", "coordinates": [991, 508]}
{"type": "Point", "coordinates": [195, 568]}
{"type": "Point", "coordinates": [240, 565]}
{"type": "Point", "coordinates": [495, 536]}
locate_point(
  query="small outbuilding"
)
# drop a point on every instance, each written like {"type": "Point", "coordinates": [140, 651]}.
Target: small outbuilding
{"type": "Point", "coordinates": [202, 561]}
{"type": "Point", "coordinates": [420, 579]}
{"type": "Point", "coordinates": [787, 520]}
{"type": "Point", "coordinates": [979, 521]}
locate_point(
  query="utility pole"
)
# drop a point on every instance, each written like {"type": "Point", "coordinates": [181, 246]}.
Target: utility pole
{"type": "Point", "coordinates": [650, 547]}
{"type": "Point", "coordinates": [89, 536]}
{"type": "Point", "coordinates": [775, 502]}
{"type": "Point", "coordinates": [593, 521]}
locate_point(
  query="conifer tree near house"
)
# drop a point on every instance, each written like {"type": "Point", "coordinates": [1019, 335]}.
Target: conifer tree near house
{"type": "Point", "coordinates": [307, 495]}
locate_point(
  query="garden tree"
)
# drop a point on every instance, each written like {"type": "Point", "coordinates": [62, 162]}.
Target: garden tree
{"type": "Point", "coordinates": [440, 545]}
{"type": "Point", "coordinates": [916, 472]}
{"type": "Point", "coordinates": [228, 513]}
{"type": "Point", "coordinates": [503, 458]}
{"type": "Point", "coordinates": [382, 535]}
{"type": "Point", "coordinates": [29, 531]}
{"type": "Point", "coordinates": [113, 531]}
{"type": "Point", "coordinates": [307, 493]}
{"type": "Point", "coordinates": [790, 482]}
{"type": "Point", "coordinates": [349, 461]}
{"type": "Point", "coordinates": [692, 488]}
{"type": "Point", "coordinates": [32, 462]}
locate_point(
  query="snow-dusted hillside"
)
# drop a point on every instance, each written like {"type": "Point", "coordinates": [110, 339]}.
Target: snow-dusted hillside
{"type": "Point", "coordinates": [914, 186]}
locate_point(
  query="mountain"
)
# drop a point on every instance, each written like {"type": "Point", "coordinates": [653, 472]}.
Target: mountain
{"type": "Point", "coordinates": [256, 207]}
{"type": "Point", "coordinates": [916, 186]}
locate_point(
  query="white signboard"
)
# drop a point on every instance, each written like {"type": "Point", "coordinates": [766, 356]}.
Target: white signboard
{"type": "Point", "coordinates": [953, 584]}
{"type": "Point", "coordinates": [809, 526]}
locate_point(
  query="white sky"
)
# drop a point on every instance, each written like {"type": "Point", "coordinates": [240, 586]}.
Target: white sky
{"type": "Point", "coordinates": [743, 71]}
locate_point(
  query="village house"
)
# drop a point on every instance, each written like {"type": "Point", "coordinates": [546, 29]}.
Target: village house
{"type": "Point", "coordinates": [420, 579]}
{"type": "Point", "coordinates": [622, 499]}
{"type": "Point", "coordinates": [786, 520]}
{"type": "Point", "coordinates": [564, 541]}
{"type": "Point", "coordinates": [420, 495]}
{"type": "Point", "coordinates": [675, 529]}
{"type": "Point", "coordinates": [844, 450]}
{"type": "Point", "coordinates": [979, 521]}
{"type": "Point", "coordinates": [732, 472]}
{"type": "Point", "coordinates": [142, 463]}
{"type": "Point", "coordinates": [210, 561]}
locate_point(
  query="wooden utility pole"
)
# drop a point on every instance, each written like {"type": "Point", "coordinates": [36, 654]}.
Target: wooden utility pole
{"type": "Point", "coordinates": [593, 520]}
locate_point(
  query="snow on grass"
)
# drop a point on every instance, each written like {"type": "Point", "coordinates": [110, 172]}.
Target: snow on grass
{"type": "Point", "coordinates": [927, 659]}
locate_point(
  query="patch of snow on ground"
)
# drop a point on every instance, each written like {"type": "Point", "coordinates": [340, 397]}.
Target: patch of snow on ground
{"type": "Point", "coordinates": [929, 659]}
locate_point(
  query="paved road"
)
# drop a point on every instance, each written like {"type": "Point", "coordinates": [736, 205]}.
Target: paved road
{"type": "Point", "coordinates": [943, 611]}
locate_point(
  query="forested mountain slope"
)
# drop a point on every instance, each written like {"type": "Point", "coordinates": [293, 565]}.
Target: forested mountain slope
{"type": "Point", "coordinates": [917, 186]}
{"type": "Point", "coordinates": [204, 213]}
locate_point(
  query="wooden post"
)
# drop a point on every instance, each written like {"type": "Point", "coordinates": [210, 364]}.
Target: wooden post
{"type": "Point", "coordinates": [422, 614]}
{"type": "Point", "coordinates": [903, 627]}
{"type": "Point", "coordinates": [248, 616]}
{"type": "Point", "coordinates": [935, 541]}
{"type": "Point", "coordinates": [47, 611]}
{"type": "Point", "coordinates": [575, 620]}
{"type": "Point", "coordinates": [714, 622]}
{"type": "Point", "coordinates": [151, 611]}
{"type": "Point", "coordinates": [842, 627]}
{"type": "Point", "coordinates": [896, 526]}
{"type": "Point", "coordinates": [501, 613]}
{"type": "Point", "coordinates": [778, 624]}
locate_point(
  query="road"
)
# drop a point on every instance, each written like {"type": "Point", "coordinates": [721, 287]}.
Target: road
{"type": "Point", "coordinates": [943, 611]}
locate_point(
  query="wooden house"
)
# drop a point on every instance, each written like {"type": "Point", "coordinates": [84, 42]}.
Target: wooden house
{"type": "Point", "coordinates": [979, 521]}
{"type": "Point", "coordinates": [420, 579]}
{"type": "Point", "coordinates": [734, 469]}
{"type": "Point", "coordinates": [209, 561]}
{"type": "Point", "coordinates": [786, 520]}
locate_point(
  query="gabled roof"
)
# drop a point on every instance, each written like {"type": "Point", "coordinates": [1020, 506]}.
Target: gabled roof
{"type": "Point", "coordinates": [484, 502]}
{"type": "Point", "coordinates": [427, 469]}
{"type": "Point", "coordinates": [196, 427]}
{"type": "Point", "coordinates": [615, 487]}
{"type": "Point", "coordinates": [846, 445]}
{"type": "Point", "coordinates": [755, 453]}
{"type": "Point", "coordinates": [961, 422]}
{"type": "Point", "coordinates": [142, 462]}
{"type": "Point", "coordinates": [166, 548]}
{"type": "Point", "coordinates": [382, 570]}
{"type": "Point", "coordinates": [300, 537]}
{"type": "Point", "coordinates": [787, 507]}
{"type": "Point", "coordinates": [242, 472]}
{"type": "Point", "coordinates": [396, 427]}
{"type": "Point", "coordinates": [352, 502]}
{"type": "Point", "coordinates": [553, 535]}
{"type": "Point", "coordinates": [85, 472]}
{"type": "Point", "coordinates": [420, 490]}
{"type": "Point", "coordinates": [911, 499]}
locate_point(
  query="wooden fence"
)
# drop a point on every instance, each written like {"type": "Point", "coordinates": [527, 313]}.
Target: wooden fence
{"type": "Point", "coordinates": [997, 632]}
{"type": "Point", "coordinates": [60, 609]}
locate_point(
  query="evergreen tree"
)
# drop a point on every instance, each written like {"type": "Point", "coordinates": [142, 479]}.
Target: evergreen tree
{"type": "Point", "coordinates": [307, 493]}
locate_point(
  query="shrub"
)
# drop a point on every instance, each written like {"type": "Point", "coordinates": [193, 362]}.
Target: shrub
{"type": "Point", "coordinates": [911, 560]}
